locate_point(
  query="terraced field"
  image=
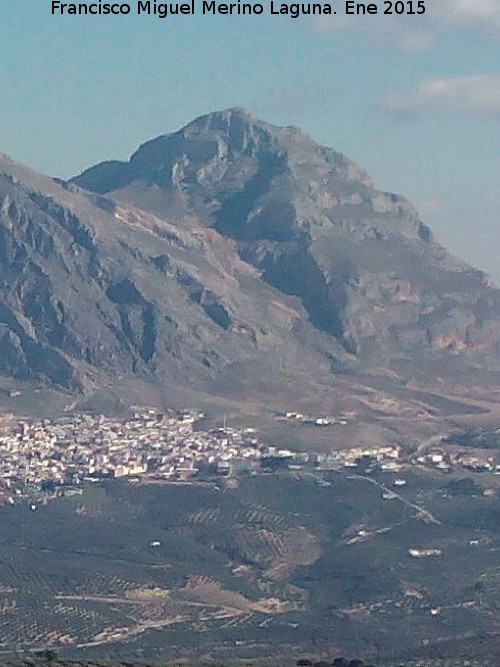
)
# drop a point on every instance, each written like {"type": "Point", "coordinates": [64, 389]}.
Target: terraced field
{"type": "Point", "coordinates": [271, 565]}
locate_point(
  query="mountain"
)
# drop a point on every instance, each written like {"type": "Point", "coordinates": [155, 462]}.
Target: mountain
{"type": "Point", "coordinates": [362, 263]}
{"type": "Point", "coordinates": [89, 288]}
{"type": "Point", "coordinates": [242, 264]}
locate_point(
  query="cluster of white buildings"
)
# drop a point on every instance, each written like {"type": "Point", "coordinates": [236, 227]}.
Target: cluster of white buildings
{"type": "Point", "coordinates": [50, 453]}
{"type": "Point", "coordinates": [159, 445]}
{"type": "Point", "coordinates": [54, 452]}
{"type": "Point", "coordinates": [386, 457]}
{"type": "Point", "coordinates": [315, 420]}
{"type": "Point", "coordinates": [442, 459]}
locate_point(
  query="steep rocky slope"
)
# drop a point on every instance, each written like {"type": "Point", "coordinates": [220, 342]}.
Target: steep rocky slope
{"type": "Point", "coordinates": [89, 289]}
{"type": "Point", "coordinates": [244, 262]}
{"type": "Point", "coordinates": [363, 264]}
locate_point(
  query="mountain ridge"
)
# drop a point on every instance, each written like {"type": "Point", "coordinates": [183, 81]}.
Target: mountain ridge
{"type": "Point", "coordinates": [243, 262]}
{"type": "Point", "coordinates": [276, 192]}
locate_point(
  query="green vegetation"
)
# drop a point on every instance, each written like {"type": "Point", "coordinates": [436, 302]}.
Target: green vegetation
{"type": "Point", "coordinates": [476, 438]}
{"type": "Point", "coordinates": [282, 564]}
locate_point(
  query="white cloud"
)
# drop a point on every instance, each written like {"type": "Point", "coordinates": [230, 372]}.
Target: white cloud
{"type": "Point", "coordinates": [468, 94]}
{"type": "Point", "coordinates": [418, 32]}
{"type": "Point", "coordinates": [469, 13]}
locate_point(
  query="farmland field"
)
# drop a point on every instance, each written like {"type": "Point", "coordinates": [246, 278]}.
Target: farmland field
{"type": "Point", "coordinates": [272, 565]}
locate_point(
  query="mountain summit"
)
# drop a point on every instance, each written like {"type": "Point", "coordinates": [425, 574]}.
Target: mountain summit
{"type": "Point", "coordinates": [363, 264]}
{"type": "Point", "coordinates": [240, 261]}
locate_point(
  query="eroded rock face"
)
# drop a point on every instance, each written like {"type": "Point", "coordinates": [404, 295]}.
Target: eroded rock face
{"type": "Point", "coordinates": [89, 289]}
{"type": "Point", "coordinates": [232, 257]}
{"type": "Point", "coordinates": [362, 262]}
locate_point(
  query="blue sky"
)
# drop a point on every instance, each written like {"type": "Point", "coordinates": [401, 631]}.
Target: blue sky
{"type": "Point", "coordinates": [415, 100]}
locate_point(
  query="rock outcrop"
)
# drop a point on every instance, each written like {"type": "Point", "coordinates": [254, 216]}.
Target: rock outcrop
{"type": "Point", "coordinates": [362, 262]}
{"type": "Point", "coordinates": [237, 258]}
{"type": "Point", "coordinates": [90, 289]}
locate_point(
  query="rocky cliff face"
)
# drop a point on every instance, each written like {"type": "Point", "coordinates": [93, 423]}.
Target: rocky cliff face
{"type": "Point", "coordinates": [362, 263]}
{"type": "Point", "coordinates": [237, 259]}
{"type": "Point", "coordinates": [90, 289]}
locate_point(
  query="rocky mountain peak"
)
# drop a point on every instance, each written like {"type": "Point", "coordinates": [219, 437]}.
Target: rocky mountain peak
{"type": "Point", "coordinates": [229, 255]}
{"type": "Point", "coordinates": [240, 130]}
{"type": "Point", "coordinates": [363, 263]}
{"type": "Point", "coordinates": [221, 149]}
